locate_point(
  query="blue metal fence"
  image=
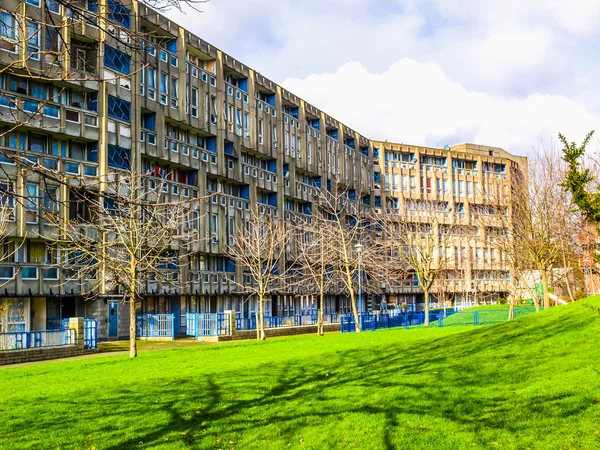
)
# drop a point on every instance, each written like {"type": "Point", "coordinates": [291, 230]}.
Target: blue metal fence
{"type": "Point", "coordinates": [37, 339]}
{"type": "Point", "coordinates": [90, 333]}
{"type": "Point", "coordinates": [155, 325]}
{"type": "Point", "coordinates": [208, 324]}
{"type": "Point", "coordinates": [393, 319]}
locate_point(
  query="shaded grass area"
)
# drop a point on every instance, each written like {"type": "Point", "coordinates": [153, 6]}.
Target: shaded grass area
{"type": "Point", "coordinates": [533, 382]}
{"type": "Point", "coordinates": [123, 345]}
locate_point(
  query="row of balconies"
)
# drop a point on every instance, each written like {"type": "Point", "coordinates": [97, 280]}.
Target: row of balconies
{"type": "Point", "coordinates": [53, 117]}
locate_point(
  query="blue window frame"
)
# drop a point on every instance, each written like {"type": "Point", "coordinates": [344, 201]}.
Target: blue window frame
{"type": "Point", "coordinates": [119, 109]}
{"type": "Point", "coordinates": [8, 26]}
{"type": "Point", "coordinates": [117, 60]}
{"type": "Point", "coordinates": [51, 111]}
{"type": "Point", "coordinates": [119, 14]}
{"type": "Point", "coordinates": [119, 157]}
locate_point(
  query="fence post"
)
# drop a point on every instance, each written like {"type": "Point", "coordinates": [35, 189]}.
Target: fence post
{"type": "Point", "coordinates": [476, 318]}
{"type": "Point", "coordinates": [441, 321]}
{"type": "Point", "coordinates": [77, 324]}
{"type": "Point", "coordinates": [231, 322]}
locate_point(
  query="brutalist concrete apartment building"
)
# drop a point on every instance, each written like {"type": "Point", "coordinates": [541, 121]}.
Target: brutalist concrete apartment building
{"type": "Point", "coordinates": [134, 89]}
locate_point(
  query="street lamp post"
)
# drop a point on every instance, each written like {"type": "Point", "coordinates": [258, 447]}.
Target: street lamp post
{"type": "Point", "coordinates": [359, 248]}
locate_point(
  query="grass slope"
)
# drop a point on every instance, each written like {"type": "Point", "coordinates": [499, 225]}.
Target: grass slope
{"type": "Point", "coordinates": [530, 383]}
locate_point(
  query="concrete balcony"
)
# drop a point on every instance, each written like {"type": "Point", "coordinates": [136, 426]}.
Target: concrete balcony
{"type": "Point", "coordinates": [35, 279]}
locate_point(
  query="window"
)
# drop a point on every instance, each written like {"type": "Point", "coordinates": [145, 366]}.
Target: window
{"type": "Point", "coordinates": [112, 126]}
{"type": "Point", "coordinates": [51, 199]}
{"type": "Point", "coordinates": [214, 221]}
{"type": "Point", "coordinates": [33, 2]}
{"type": "Point", "coordinates": [260, 131]}
{"type": "Point", "coordinates": [194, 102]}
{"type": "Point", "coordinates": [213, 109]}
{"type": "Point", "coordinates": [72, 116]}
{"type": "Point", "coordinates": [33, 40]}
{"type": "Point", "coordinates": [37, 143]}
{"type": "Point", "coordinates": [119, 109]}
{"type": "Point", "coordinates": [53, 6]}
{"type": "Point", "coordinates": [238, 122]}
{"type": "Point", "coordinates": [31, 205]}
{"type": "Point", "coordinates": [246, 125]}
{"type": "Point", "coordinates": [52, 44]}
{"type": "Point", "coordinates": [119, 157]}
{"type": "Point", "coordinates": [151, 83]}
{"type": "Point", "coordinates": [174, 93]}
{"type": "Point", "coordinates": [8, 26]}
{"type": "Point", "coordinates": [164, 87]}
{"type": "Point", "coordinates": [125, 130]}
{"type": "Point", "coordinates": [117, 60]}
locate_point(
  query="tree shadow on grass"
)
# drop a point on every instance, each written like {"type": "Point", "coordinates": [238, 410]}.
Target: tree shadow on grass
{"type": "Point", "coordinates": [464, 380]}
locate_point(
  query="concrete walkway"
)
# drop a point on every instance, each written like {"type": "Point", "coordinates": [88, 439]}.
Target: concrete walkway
{"type": "Point", "coordinates": [73, 358]}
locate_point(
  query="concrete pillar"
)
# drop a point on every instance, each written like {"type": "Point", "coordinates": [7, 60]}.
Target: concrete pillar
{"type": "Point", "coordinates": [231, 321]}
{"type": "Point", "coordinates": [76, 323]}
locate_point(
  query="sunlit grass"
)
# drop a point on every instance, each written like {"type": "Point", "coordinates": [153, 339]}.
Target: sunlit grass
{"type": "Point", "coordinates": [529, 383]}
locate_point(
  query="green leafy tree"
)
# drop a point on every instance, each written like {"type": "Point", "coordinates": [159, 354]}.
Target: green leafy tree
{"type": "Point", "coordinates": [579, 179]}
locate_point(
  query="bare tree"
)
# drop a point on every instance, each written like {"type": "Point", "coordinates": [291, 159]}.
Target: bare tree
{"type": "Point", "coordinates": [259, 248]}
{"type": "Point", "coordinates": [419, 240]}
{"type": "Point", "coordinates": [315, 260]}
{"type": "Point", "coordinates": [346, 227]}
{"type": "Point", "coordinates": [126, 239]}
{"type": "Point", "coordinates": [545, 221]}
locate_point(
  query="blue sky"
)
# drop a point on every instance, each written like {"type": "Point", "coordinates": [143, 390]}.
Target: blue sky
{"type": "Point", "coordinates": [509, 73]}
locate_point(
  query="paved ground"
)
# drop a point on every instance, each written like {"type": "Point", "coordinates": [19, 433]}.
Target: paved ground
{"type": "Point", "coordinates": [117, 348]}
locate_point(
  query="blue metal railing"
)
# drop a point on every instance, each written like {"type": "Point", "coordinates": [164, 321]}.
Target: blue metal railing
{"type": "Point", "coordinates": [450, 317]}
{"type": "Point", "coordinates": [155, 325]}
{"type": "Point", "coordinates": [90, 333]}
{"type": "Point", "coordinates": [208, 324]}
{"type": "Point", "coordinates": [37, 339]}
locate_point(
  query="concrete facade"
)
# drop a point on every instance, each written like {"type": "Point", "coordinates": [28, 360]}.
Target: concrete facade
{"type": "Point", "coordinates": [139, 92]}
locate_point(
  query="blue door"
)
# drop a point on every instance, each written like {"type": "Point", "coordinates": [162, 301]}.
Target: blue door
{"type": "Point", "coordinates": [113, 320]}
{"type": "Point", "coordinates": [176, 310]}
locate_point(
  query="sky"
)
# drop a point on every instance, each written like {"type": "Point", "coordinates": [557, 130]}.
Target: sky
{"type": "Point", "coordinates": [509, 73]}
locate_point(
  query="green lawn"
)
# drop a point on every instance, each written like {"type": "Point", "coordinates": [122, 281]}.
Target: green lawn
{"type": "Point", "coordinates": [530, 383]}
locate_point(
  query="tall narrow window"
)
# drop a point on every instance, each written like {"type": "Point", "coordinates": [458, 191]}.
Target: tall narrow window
{"type": "Point", "coordinates": [174, 93]}
{"type": "Point", "coordinates": [230, 118]}
{"type": "Point", "coordinates": [260, 131]}
{"type": "Point", "coordinates": [164, 87]}
{"type": "Point", "coordinates": [33, 40]}
{"type": "Point", "coordinates": [31, 214]}
{"type": "Point", "coordinates": [213, 110]}
{"type": "Point", "coordinates": [194, 102]}
{"type": "Point", "coordinates": [151, 83]}
{"type": "Point", "coordinates": [238, 122]}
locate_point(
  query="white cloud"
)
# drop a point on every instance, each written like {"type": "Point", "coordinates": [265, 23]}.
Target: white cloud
{"type": "Point", "coordinates": [500, 72]}
{"type": "Point", "coordinates": [416, 102]}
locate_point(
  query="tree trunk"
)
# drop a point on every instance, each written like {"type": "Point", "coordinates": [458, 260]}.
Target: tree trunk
{"type": "Point", "coordinates": [544, 275]}
{"type": "Point", "coordinates": [261, 327]}
{"type": "Point", "coordinates": [321, 318]}
{"type": "Point", "coordinates": [568, 284]}
{"type": "Point", "coordinates": [355, 311]}
{"type": "Point", "coordinates": [132, 326]}
{"type": "Point", "coordinates": [426, 295]}
{"type": "Point", "coordinates": [511, 308]}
